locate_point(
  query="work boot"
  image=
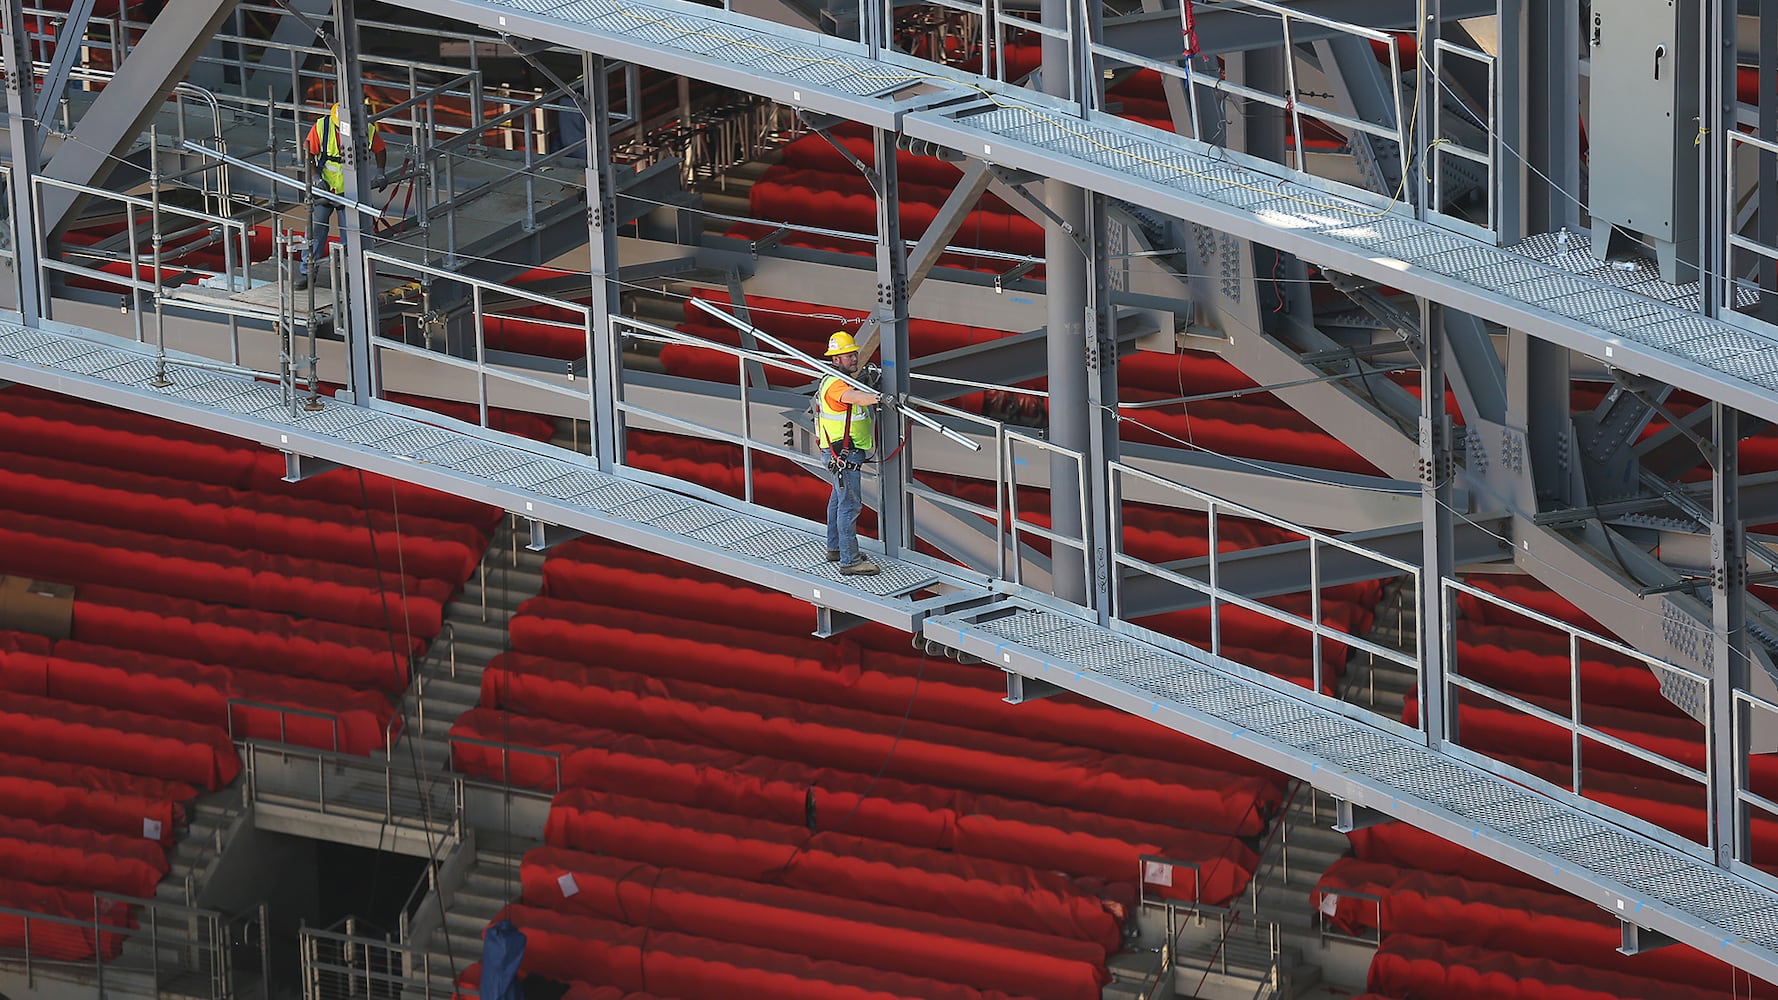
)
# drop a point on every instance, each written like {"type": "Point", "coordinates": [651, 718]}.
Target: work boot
{"type": "Point", "coordinates": [863, 567]}
{"type": "Point", "coordinates": [833, 555]}
{"type": "Point", "coordinates": [301, 282]}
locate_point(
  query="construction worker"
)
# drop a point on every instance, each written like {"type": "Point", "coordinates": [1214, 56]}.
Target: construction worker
{"type": "Point", "coordinates": [327, 139]}
{"type": "Point", "coordinates": [846, 427]}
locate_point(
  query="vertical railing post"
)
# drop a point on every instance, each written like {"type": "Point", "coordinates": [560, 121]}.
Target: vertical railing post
{"type": "Point", "coordinates": [1730, 672]}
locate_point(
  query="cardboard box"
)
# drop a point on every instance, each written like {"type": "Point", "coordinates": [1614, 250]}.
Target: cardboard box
{"type": "Point", "coordinates": [36, 606]}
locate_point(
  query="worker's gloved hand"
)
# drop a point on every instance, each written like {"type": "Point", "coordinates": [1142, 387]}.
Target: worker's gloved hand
{"type": "Point", "coordinates": [381, 181]}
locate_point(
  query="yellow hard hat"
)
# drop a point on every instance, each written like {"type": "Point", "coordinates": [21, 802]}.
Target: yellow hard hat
{"type": "Point", "coordinates": [841, 343]}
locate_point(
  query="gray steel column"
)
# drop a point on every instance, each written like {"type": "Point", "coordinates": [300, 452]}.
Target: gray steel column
{"type": "Point", "coordinates": [1719, 109]}
{"type": "Point", "coordinates": [361, 298]}
{"type": "Point", "coordinates": [1438, 531]}
{"type": "Point", "coordinates": [892, 330]}
{"type": "Point", "coordinates": [1427, 92]}
{"type": "Point", "coordinates": [1539, 121]}
{"type": "Point", "coordinates": [1101, 385]}
{"type": "Point", "coordinates": [1766, 195]}
{"type": "Point", "coordinates": [21, 111]}
{"type": "Point", "coordinates": [1729, 655]}
{"type": "Point", "coordinates": [1065, 290]}
{"type": "Point", "coordinates": [606, 375]}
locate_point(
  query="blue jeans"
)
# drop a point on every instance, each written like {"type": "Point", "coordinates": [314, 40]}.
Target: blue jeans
{"type": "Point", "coordinates": [320, 228]}
{"type": "Point", "coordinates": [843, 508]}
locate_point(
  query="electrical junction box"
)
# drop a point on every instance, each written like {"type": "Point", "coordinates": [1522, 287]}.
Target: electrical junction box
{"type": "Point", "coordinates": [1642, 130]}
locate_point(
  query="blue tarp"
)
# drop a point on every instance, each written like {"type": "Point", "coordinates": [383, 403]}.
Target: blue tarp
{"type": "Point", "coordinates": [503, 948]}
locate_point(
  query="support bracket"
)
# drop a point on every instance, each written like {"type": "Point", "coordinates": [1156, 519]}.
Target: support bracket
{"type": "Point", "coordinates": [1639, 940]}
{"type": "Point", "coordinates": [1349, 817]}
{"type": "Point", "coordinates": [1021, 689]}
{"type": "Point", "coordinates": [300, 467]}
{"type": "Point", "coordinates": [829, 622]}
{"type": "Point", "coordinates": [545, 536]}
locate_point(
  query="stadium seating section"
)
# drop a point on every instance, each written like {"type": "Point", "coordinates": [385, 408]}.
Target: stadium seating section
{"type": "Point", "coordinates": [212, 602]}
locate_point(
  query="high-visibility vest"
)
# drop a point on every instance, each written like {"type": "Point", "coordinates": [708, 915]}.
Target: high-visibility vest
{"type": "Point", "coordinates": [324, 145]}
{"type": "Point", "coordinates": [832, 422]}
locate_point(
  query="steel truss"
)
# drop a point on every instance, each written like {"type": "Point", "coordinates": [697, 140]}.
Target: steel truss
{"type": "Point", "coordinates": [1460, 258]}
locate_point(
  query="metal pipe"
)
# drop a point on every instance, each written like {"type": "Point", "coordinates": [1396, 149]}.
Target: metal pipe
{"type": "Point", "coordinates": [160, 316]}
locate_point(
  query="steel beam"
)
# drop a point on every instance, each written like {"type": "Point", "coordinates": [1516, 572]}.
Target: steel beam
{"type": "Point", "coordinates": [355, 152]}
{"type": "Point", "coordinates": [1729, 671]}
{"type": "Point", "coordinates": [70, 38]}
{"type": "Point", "coordinates": [21, 105]}
{"type": "Point", "coordinates": [602, 269]}
{"type": "Point", "coordinates": [1439, 555]}
{"type": "Point", "coordinates": [891, 316]}
{"type": "Point", "coordinates": [958, 204]}
{"type": "Point", "coordinates": [117, 117]}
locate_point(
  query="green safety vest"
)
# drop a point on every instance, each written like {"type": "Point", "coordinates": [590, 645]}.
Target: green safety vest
{"type": "Point", "coordinates": [332, 172]}
{"type": "Point", "coordinates": [832, 422]}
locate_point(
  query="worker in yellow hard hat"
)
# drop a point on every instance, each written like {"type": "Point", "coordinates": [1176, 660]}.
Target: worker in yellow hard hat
{"type": "Point", "coordinates": [846, 427]}
{"type": "Point", "coordinates": [327, 137]}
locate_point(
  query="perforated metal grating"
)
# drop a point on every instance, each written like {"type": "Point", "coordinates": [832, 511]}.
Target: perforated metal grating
{"type": "Point", "coordinates": [1575, 839]}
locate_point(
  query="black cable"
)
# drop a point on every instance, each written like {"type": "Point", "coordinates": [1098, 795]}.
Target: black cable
{"type": "Point", "coordinates": [863, 793]}
{"type": "Point", "coordinates": [395, 658]}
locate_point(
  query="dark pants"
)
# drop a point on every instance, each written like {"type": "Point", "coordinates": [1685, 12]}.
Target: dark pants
{"type": "Point", "coordinates": [844, 506]}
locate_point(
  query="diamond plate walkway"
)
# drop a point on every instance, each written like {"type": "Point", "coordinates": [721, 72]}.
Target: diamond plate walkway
{"type": "Point", "coordinates": [519, 476]}
{"type": "Point", "coordinates": [1587, 306]}
{"type": "Point", "coordinates": [1629, 875]}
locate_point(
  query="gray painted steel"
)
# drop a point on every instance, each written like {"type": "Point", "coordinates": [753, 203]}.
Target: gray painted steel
{"type": "Point", "coordinates": [1631, 876]}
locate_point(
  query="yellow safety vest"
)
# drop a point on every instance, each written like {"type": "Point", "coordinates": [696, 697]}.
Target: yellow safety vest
{"type": "Point", "coordinates": [333, 173]}
{"type": "Point", "coordinates": [832, 422]}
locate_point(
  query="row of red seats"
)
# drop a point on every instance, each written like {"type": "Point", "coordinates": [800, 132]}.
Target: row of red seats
{"type": "Point", "coordinates": [941, 883]}
{"type": "Point", "coordinates": [570, 948]}
{"type": "Point", "coordinates": [826, 927]}
{"type": "Point", "coordinates": [357, 657]}
{"type": "Point", "coordinates": [1409, 966]}
{"type": "Point", "coordinates": [92, 798]}
{"type": "Point", "coordinates": [237, 528]}
{"type": "Point", "coordinates": [1082, 844]}
{"type": "Point", "coordinates": [48, 548]}
{"type": "Point", "coordinates": [61, 929]}
{"type": "Point", "coordinates": [838, 672]}
{"type": "Point", "coordinates": [1058, 774]}
{"type": "Point", "coordinates": [1362, 897]}
{"type": "Point", "coordinates": [146, 745]}
{"type": "Point", "coordinates": [284, 709]}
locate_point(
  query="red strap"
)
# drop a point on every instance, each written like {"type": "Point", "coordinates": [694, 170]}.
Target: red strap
{"type": "Point", "coordinates": [1191, 29]}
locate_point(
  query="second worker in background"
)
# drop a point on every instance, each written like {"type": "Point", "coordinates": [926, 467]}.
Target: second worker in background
{"type": "Point", "coordinates": [847, 429]}
{"type": "Point", "coordinates": [326, 137]}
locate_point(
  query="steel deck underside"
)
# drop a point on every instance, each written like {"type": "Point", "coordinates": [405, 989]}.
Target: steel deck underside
{"type": "Point", "coordinates": [1587, 312]}
{"type": "Point", "coordinates": [520, 477]}
{"type": "Point", "coordinates": [1631, 876]}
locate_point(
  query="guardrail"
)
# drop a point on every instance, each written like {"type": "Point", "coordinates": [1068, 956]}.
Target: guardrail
{"type": "Point", "coordinates": [335, 784]}
{"type": "Point", "coordinates": [341, 965]}
{"type": "Point", "coordinates": [1682, 685]}
{"type": "Point", "coordinates": [131, 943]}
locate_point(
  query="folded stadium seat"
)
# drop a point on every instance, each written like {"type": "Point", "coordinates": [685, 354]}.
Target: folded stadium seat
{"type": "Point", "coordinates": [840, 672]}
{"type": "Point", "coordinates": [93, 798]}
{"type": "Point", "coordinates": [814, 153]}
{"type": "Point", "coordinates": [985, 956]}
{"type": "Point", "coordinates": [238, 637]}
{"type": "Point", "coordinates": [1532, 923]}
{"type": "Point", "coordinates": [140, 744]}
{"type": "Point", "coordinates": [567, 947]}
{"type": "Point", "coordinates": [62, 931]}
{"type": "Point", "coordinates": [706, 365]}
{"type": "Point", "coordinates": [73, 858]}
{"type": "Point", "coordinates": [1185, 373]}
{"type": "Point", "coordinates": [1087, 846]}
{"type": "Point", "coordinates": [935, 882]}
{"type": "Point", "coordinates": [203, 494]}
{"type": "Point", "coordinates": [1535, 660]}
{"type": "Point", "coordinates": [1526, 591]}
{"type": "Point", "coordinates": [322, 714]}
{"type": "Point", "coordinates": [1133, 787]}
{"type": "Point", "coordinates": [1414, 966]}
{"type": "Point", "coordinates": [1409, 847]}
{"type": "Point", "coordinates": [46, 548]}
{"type": "Point", "coordinates": [1243, 430]}
{"type": "Point", "coordinates": [237, 527]}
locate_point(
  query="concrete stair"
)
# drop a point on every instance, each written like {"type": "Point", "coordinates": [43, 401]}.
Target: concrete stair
{"type": "Point", "coordinates": [490, 883]}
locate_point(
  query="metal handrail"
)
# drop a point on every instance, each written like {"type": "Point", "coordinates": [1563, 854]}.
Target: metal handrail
{"type": "Point", "coordinates": [1217, 507]}
{"type": "Point", "coordinates": [284, 712]}
{"type": "Point", "coordinates": [507, 750]}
